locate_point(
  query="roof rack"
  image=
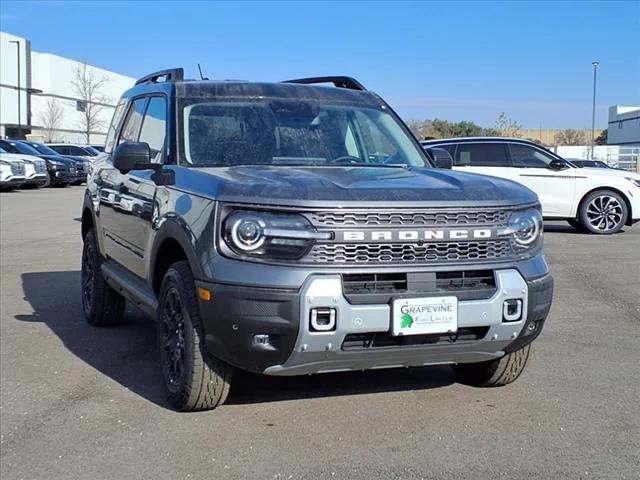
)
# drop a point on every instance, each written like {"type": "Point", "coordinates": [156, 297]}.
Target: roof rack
{"type": "Point", "coordinates": [340, 82]}
{"type": "Point", "coordinates": [170, 75]}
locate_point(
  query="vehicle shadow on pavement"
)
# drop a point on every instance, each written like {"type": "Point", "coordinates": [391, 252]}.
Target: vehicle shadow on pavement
{"type": "Point", "coordinates": [127, 353]}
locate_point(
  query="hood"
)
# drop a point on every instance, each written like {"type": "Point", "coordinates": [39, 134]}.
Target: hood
{"type": "Point", "coordinates": [58, 158]}
{"type": "Point", "coordinates": [321, 186]}
{"type": "Point", "coordinates": [21, 156]}
{"type": "Point", "coordinates": [76, 158]}
{"type": "Point", "coordinates": [609, 172]}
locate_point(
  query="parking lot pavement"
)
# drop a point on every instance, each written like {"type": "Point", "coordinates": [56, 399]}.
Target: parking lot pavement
{"type": "Point", "coordinates": [83, 402]}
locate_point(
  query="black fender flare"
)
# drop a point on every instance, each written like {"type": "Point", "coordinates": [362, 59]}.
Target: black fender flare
{"type": "Point", "coordinates": [173, 228]}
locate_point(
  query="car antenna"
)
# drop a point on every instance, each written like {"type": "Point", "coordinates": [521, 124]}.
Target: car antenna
{"type": "Point", "coordinates": [200, 70]}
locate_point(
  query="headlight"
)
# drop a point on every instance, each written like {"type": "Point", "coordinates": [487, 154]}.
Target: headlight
{"type": "Point", "coordinates": [271, 235]}
{"type": "Point", "coordinates": [635, 181]}
{"type": "Point", "coordinates": [56, 163]}
{"type": "Point", "coordinates": [525, 229]}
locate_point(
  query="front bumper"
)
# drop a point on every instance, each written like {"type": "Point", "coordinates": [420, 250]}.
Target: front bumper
{"type": "Point", "coordinates": [37, 179]}
{"type": "Point", "coordinates": [13, 181]}
{"type": "Point", "coordinates": [59, 176]}
{"type": "Point", "coordinates": [237, 314]}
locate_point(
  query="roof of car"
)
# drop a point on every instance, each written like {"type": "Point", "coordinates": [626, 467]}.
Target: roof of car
{"type": "Point", "coordinates": [474, 139]}
{"type": "Point", "coordinates": [242, 89]}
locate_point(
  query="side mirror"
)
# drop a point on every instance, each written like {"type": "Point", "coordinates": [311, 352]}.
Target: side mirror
{"type": "Point", "coordinates": [132, 156]}
{"type": "Point", "coordinates": [442, 158]}
{"type": "Point", "coordinates": [558, 165]}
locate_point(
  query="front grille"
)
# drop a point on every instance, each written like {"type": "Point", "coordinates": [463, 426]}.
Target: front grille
{"type": "Point", "coordinates": [384, 340]}
{"type": "Point", "coordinates": [363, 288]}
{"type": "Point", "coordinates": [17, 168]}
{"type": "Point", "coordinates": [414, 217]}
{"type": "Point", "coordinates": [394, 253]}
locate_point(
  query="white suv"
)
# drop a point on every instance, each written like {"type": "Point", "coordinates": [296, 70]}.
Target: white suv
{"type": "Point", "coordinates": [11, 172]}
{"type": "Point", "coordinates": [596, 199]}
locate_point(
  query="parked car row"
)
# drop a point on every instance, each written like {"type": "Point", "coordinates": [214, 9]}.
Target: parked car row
{"type": "Point", "coordinates": [28, 164]}
{"type": "Point", "coordinates": [598, 200]}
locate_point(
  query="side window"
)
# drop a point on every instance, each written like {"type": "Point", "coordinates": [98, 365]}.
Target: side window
{"type": "Point", "coordinates": [481, 155]}
{"type": "Point", "coordinates": [131, 127]}
{"type": "Point", "coordinates": [113, 127]}
{"type": "Point", "coordinates": [61, 149]}
{"type": "Point", "coordinates": [76, 151]}
{"type": "Point", "coordinates": [154, 127]}
{"type": "Point", "coordinates": [525, 156]}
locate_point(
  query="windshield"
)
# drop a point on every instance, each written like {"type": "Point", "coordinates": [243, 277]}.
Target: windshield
{"type": "Point", "coordinates": [23, 148]}
{"type": "Point", "coordinates": [91, 150]}
{"type": "Point", "coordinates": [294, 132]}
{"type": "Point", "coordinates": [43, 149]}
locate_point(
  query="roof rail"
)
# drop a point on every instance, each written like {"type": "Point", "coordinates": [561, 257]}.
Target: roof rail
{"type": "Point", "coordinates": [340, 82]}
{"type": "Point", "coordinates": [171, 75]}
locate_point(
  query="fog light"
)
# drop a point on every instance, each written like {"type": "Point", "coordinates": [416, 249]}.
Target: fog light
{"type": "Point", "coordinates": [322, 319]}
{"type": "Point", "coordinates": [512, 310]}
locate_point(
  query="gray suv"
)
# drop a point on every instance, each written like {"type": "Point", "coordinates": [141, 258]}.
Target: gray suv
{"type": "Point", "coordinates": [293, 228]}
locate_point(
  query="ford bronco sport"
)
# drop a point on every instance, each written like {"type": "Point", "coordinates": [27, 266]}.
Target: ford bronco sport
{"type": "Point", "coordinates": [293, 228]}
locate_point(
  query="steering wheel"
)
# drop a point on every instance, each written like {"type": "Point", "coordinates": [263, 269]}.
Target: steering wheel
{"type": "Point", "coordinates": [348, 159]}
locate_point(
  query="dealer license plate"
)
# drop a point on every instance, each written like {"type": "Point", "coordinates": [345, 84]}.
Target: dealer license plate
{"type": "Point", "coordinates": [416, 316]}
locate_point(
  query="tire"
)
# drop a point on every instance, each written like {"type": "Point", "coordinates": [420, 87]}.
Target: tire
{"type": "Point", "coordinates": [102, 305]}
{"type": "Point", "coordinates": [193, 379]}
{"type": "Point", "coordinates": [603, 212]}
{"type": "Point", "coordinates": [495, 373]}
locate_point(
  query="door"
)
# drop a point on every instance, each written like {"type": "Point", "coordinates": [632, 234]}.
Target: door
{"type": "Point", "coordinates": [127, 200]}
{"type": "Point", "coordinates": [555, 188]}
{"type": "Point", "coordinates": [487, 158]}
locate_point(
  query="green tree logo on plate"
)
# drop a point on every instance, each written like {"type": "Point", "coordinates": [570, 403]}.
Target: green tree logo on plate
{"type": "Point", "coordinates": [406, 320]}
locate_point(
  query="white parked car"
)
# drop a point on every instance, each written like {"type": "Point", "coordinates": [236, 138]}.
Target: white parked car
{"type": "Point", "coordinates": [11, 172]}
{"type": "Point", "coordinates": [598, 200]}
{"type": "Point", "coordinates": [35, 169]}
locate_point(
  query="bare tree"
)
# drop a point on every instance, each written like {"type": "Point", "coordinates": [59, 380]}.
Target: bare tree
{"type": "Point", "coordinates": [51, 118]}
{"type": "Point", "coordinates": [87, 85]}
{"type": "Point", "coordinates": [508, 127]}
{"type": "Point", "coordinates": [570, 137]}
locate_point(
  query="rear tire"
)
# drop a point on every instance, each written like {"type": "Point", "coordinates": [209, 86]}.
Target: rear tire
{"type": "Point", "coordinates": [603, 212]}
{"type": "Point", "coordinates": [194, 380]}
{"type": "Point", "coordinates": [102, 305]}
{"type": "Point", "coordinates": [494, 373]}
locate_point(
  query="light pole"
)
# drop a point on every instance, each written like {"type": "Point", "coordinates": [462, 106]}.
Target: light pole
{"type": "Point", "coordinates": [593, 110]}
{"type": "Point", "coordinates": [17, 42]}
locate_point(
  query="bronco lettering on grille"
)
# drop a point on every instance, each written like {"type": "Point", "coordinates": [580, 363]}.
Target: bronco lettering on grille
{"type": "Point", "coordinates": [415, 235]}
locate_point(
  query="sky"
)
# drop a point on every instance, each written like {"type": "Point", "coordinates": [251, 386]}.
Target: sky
{"type": "Point", "coordinates": [450, 60]}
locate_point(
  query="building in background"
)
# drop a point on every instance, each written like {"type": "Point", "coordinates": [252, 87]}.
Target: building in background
{"type": "Point", "coordinates": [624, 125]}
{"type": "Point", "coordinates": [51, 107]}
{"type": "Point", "coordinates": [547, 136]}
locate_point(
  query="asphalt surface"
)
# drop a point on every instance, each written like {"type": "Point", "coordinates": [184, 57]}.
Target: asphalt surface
{"type": "Point", "coordinates": [83, 402]}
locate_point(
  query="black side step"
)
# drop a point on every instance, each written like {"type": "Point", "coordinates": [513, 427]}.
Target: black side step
{"type": "Point", "coordinates": [130, 286]}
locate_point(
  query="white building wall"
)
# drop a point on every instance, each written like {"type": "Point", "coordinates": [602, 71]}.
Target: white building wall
{"type": "Point", "coordinates": [9, 80]}
{"type": "Point", "coordinates": [52, 79]}
{"type": "Point", "coordinates": [624, 125]}
{"type": "Point", "coordinates": [54, 75]}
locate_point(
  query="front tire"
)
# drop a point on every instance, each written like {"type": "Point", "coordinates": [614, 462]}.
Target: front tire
{"type": "Point", "coordinates": [102, 305]}
{"type": "Point", "coordinates": [494, 373]}
{"type": "Point", "coordinates": [603, 212]}
{"type": "Point", "coordinates": [194, 380]}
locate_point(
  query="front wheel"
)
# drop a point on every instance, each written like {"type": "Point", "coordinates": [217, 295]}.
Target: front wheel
{"type": "Point", "coordinates": [494, 373]}
{"type": "Point", "coordinates": [603, 212]}
{"type": "Point", "coordinates": [194, 380]}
